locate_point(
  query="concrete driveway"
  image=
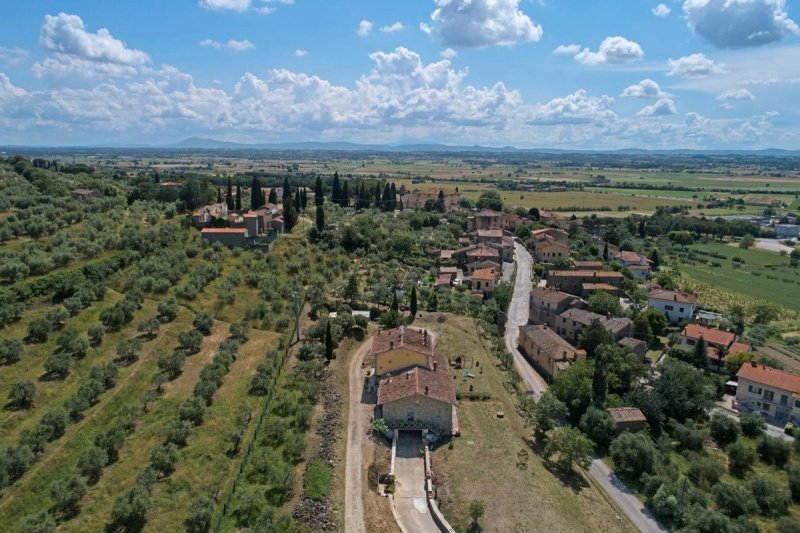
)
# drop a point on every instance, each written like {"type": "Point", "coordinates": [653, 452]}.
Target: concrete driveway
{"type": "Point", "coordinates": [410, 498]}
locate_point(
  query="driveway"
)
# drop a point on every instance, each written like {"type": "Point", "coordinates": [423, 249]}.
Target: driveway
{"type": "Point", "coordinates": [624, 498]}
{"type": "Point", "coordinates": [518, 312]}
{"type": "Point", "coordinates": [410, 498]}
{"type": "Point", "coordinates": [358, 419]}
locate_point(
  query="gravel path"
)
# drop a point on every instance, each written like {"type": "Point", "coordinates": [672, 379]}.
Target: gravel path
{"type": "Point", "coordinates": [358, 418]}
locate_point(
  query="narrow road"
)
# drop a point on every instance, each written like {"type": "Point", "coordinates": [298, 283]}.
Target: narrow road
{"type": "Point", "coordinates": [410, 497]}
{"type": "Point", "coordinates": [518, 316]}
{"type": "Point", "coordinates": [358, 418]}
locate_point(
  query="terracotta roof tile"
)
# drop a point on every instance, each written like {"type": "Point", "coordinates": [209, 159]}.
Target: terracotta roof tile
{"type": "Point", "coordinates": [770, 376]}
{"type": "Point", "coordinates": [672, 296]}
{"type": "Point", "coordinates": [436, 384]}
{"type": "Point", "coordinates": [711, 335]}
{"type": "Point", "coordinates": [402, 337]}
{"type": "Point", "coordinates": [484, 274]}
{"type": "Point", "coordinates": [626, 414]}
{"type": "Point", "coordinates": [224, 230]}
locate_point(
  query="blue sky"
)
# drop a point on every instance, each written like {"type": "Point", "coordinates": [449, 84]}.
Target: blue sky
{"type": "Point", "coordinates": [547, 73]}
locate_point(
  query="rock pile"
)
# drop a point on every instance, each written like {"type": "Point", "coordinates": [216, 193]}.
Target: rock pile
{"type": "Point", "coordinates": [318, 515]}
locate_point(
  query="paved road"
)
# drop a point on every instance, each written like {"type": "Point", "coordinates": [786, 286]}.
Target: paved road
{"type": "Point", "coordinates": [358, 418]}
{"type": "Point", "coordinates": [535, 384]}
{"type": "Point", "coordinates": [410, 498]}
{"type": "Point", "coordinates": [518, 312]}
{"type": "Point", "coordinates": [624, 498]}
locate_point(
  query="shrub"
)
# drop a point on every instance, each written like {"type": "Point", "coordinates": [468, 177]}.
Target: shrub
{"type": "Point", "coordinates": [206, 389]}
{"type": "Point", "coordinates": [666, 505]}
{"type": "Point", "coordinates": [41, 522]}
{"type": "Point", "coordinates": [772, 499]}
{"type": "Point", "coordinates": [110, 441]}
{"type": "Point", "coordinates": [734, 499]}
{"type": "Point", "coordinates": [193, 410]}
{"type": "Point", "coordinates": [171, 364]}
{"type": "Point", "coordinates": [705, 472]}
{"type": "Point", "coordinates": [773, 450]}
{"type": "Point", "coordinates": [95, 334]}
{"type": "Point", "coordinates": [53, 423]}
{"type": "Point", "coordinates": [740, 458]}
{"type": "Point", "coordinates": [191, 340]}
{"type": "Point", "coordinates": [752, 424]}
{"type": "Point", "coordinates": [163, 458]}
{"type": "Point", "coordinates": [178, 432]}
{"type": "Point", "coordinates": [128, 350]}
{"type": "Point", "coordinates": [633, 455]}
{"type": "Point", "coordinates": [10, 351]}
{"type": "Point", "coordinates": [724, 429]}
{"type": "Point", "coordinates": [788, 524]}
{"type": "Point", "coordinates": [793, 473]}
{"type": "Point", "coordinates": [200, 515]}
{"type": "Point", "coordinates": [689, 437]}
{"type": "Point", "coordinates": [67, 495]}
{"type": "Point", "coordinates": [317, 480]}
{"type": "Point", "coordinates": [130, 509]}
{"type": "Point", "coordinates": [58, 365]}
{"type": "Point", "coordinates": [38, 330]}
{"type": "Point", "coordinates": [203, 322]}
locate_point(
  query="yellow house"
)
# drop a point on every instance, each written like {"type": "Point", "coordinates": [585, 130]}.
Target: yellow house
{"type": "Point", "coordinates": [398, 349]}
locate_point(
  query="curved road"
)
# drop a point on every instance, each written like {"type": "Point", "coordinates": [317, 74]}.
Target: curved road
{"type": "Point", "coordinates": [518, 316]}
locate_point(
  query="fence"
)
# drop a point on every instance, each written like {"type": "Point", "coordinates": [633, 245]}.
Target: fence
{"type": "Point", "coordinates": [256, 430]}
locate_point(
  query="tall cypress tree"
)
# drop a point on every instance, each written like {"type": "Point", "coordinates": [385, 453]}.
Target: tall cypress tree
{"type": "Point", "coordinates": [229, 196]}
{"type": "Point", "coordinates": [600, 379]}
{"type": "Point", "coordinates": [238, 198]}
{"type": "Point", "coordinates": [219, 195]}
{"type": "Point", "coordinates": [362, 197]}
{"type": "Point", "coordinates": [320, 218]}
{"type": "Point", "coordinates": [328, 342]}
{"type": "Point", "coordinates": [413, 304]}
{"type": "Point", "coordinates": [377, 195]}
{"type": "Point", "coordinates": [395, 306]}
{"type": "Point", "coordinates": [345, 195]}
{"type": "Point", "coordinates": [256, 194]}
{"type": "Point", "coordinates": [336, 193]}
{"type": "Point", "coordinates": [304, 198]}
{"type": "Point", "coordinates": [393, 197]}
{"type": "Point", "coordinates": [319, 197]}
{"type": "Point", "coordinates": [273, 196]}
{"type": "Point", "coordinates": [605, 252]}
{"type": "Point", "coordinates": [289, 213]}
{"type": "Point", "coordinates": [297, 202]}
{"type": "Point", "coordinates": [440, 201]}
{"type": "Point", "coordinates": [386, 200]}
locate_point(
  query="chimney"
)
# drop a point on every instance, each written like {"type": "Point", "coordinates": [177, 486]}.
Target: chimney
{"type": "Point", "coordinates": [408, 375]}
{"type": "Point", "coordinates": [391, 345]}
{"type": "Point", "coordinates": [435, 364]}
{"type": "Point", "coordinates": [675, 297]}
{"type": "Point", "coordinates": [426, 390]}
{"type": "Point", "coordinates": [753, 364]}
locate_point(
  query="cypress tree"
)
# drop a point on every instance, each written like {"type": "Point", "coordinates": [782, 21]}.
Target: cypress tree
{"type": "Point", "coordinates": [395, 305]}
{"type": "Point", "coordinates": [319, 197]}
{"type": "Point", "coordinates": [229, 196]}
{"type": "Point", "coordinates": [599, 380]}
{"type": "Point", "coordinates": [273, 196]}
{"type": "Point", "coordinates": [288, 205]}
{"type": "Point", "coordinates": [413, 304]}
{"type": "Point", "coordinates": [605, 252]}
{"type": "Point", "coordinates": [238, 198]}
{"type": "Point", "coordinates": [655, 259]}
{"type": "Point", "coordinates": [219, 195]}
{"type": "Point", "coordinates": [345, 195]}
{"type": "Point", "coordinates": [328, 342]}
{"type": "Point", "coordinates": [701, 353]}
{"type": "Point", "coordinates": [440, 201]}
{"type": "Point", "coordinates": [320, 218]}
{"type": "Point", "coordinates": [393, 197]}
{"type": "Point", "coordinates": [256, 194]}
{"type": "Point", "coordinates": [297, 203]}
{"type": "Point", "coordinates": [641, 229]}
{"type": "Point", "coordinates": [377, 195]}
{"type": "Point", "coordinates": [336, 193]}
{"type": "Point", "coordinates": [386, 203]}
{"type": "Point", "coordinates": [362, 203]}
{"type": "Point", "coordinates": [304, 198]}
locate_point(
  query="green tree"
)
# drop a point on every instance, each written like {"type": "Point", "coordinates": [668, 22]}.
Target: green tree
{"type": "Point", "coordinates": [593, 336]}
{"type": "Point", "coordinates": [599, 426]}
{"type": "Point", "coordinates": [747, 241]}
{"type": "Point", "coordinates": [605, 252]}
{"type": "Point", "coordinates": [773, 450]}
{"type": "Point", "coordinates": [642, 329]}
{"type": "Point", "coordinates": [58, 365]}
{"type": "Point", "coordinates": [772, 498]}
{"type": "Point", "coordinates": [476, 511]}
{"type": "Point", "coordinates": [734, 499]}
{"type": "Point", "coordinates": [319, 218]}
{"type": "Point", "coordinates": [128, 350]}
{"type": "Point", "coordinates": [203, 322]}
{"type": "Point", "coordinates": [130, 509]}
{"type": "Point", "coordinates": [200, 514]}
{"type": "Point", "coordinates": [604, 304]}
{"type": "Point", "coordinates": [95, 334]}
{"type": "Point", "coordinates": [351, 292]}
{"type": "Point", "coordinates": [633, 455]}
{"type": "Point", "coordinates": [656, 260]}
{"type": "Point", "coordinates": [190, 340]}
{"type": "Point", "coordinates": [336, 190]}
{"type": "Point", "coordinates": [600, 375]}
{"type": "Point", "coordinates": [38, 330]}
{"type": "Point", "coordinates": [41, 522]}
{"type": "Point", "coordinates": [256, 194]}
{"type": "Point", "coordinates": [238, 197]}
{"type": "Point", "coordinates": [573, 386]}
{"type": "Point", "coordinates": [21, 394]}
{"type": "Point", "coordinates": [793, 474]}
{"type": "Point", "coordinates": [229, 196]}
{"type": "Point", "coordinates": [163, 458]}
{"type": "Point", "coordinates": [724, 429]}
{"type": "Point", "coordinates": [545, 413]}
{"type": "Point", "coordinates": [752, 424]}
{"type": "Point", "coordinates": [569, 447]}
{"type": "Point", "coordinates": [149, 326]}
{"type": "Point", "coordinates": [328, 342]}
{"type": "Point", "coordinates": [700, 356]}
{"type": "Point", "coordinates": [413, 304]}
{"type": "Point", "coordinates": [395, 306]}
{"type": "Point", "coordinates": [91, 463]}
{"type": "Point", "coordinates": [319, 196]}
{"type": "Point", "coordinates": [111, 441]}
{"type": "Point", "coordinates": [740, 458]}
{"type": "Point", "coordinates": [10, 351]}
{"type": "Point", "coordinates": [193, 410]}
{"type": "Point", "coordinates": [289, 213]}
{"type": "Point", "coordinates": [273, 196]}
{"type": "Point", "coordinates": [658, 322]}
{"type": "Point", "coordinates": [67, 495]}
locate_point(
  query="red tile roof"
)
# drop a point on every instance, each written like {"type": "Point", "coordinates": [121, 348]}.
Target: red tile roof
{"type": "Point", "coordinates": [224, 230]}
{"type": "Point", "coordinates": [482, 251]}
{"type": "Point", "coordinates": [490, 233]}
{"type": "Point", "coordinates": [402, 337]}
{"type": "Point", "coordinates": [738, 347]}
{"type": "Point", "coordinates": [584, 274]}
{"type": "Point", "coordinates": [672, 296]}
{"type": "Point", "coordinates": [770, 376]}
{"type": "Point", "coordinates": [436, 384]}
{"type": "Point", "coordinates": [484, 274]}
{"type": "Point", "coordinates": [551, 295]}
{"type": "Point", "coordinates": [626, 414]}
{"type": "Point", "coordinates": [444, 280]}
{"type": "Point", "coordinates": [711, 335]}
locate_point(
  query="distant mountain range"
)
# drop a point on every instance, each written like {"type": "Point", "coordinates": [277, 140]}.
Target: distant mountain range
{"type": "Point", "coordinates": [203, 143]}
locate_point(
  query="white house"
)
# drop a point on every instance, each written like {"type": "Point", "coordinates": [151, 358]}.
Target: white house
{"type": "Point", "coordinates": [676, 306]}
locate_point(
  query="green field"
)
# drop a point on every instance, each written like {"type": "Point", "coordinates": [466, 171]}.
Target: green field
{"type": "Point", "coordinates": [763, 275]}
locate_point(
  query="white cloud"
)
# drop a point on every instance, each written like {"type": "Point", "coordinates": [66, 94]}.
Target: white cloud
{"type": "Point", "coordinates": [693, 66]}
{"type": "Point", "coordinates": [613, 50]}
{"type": "Point", "coordinates": [664, 106]}
{"type": "Point", "coordinates": [661, 10]}
{"type": "Point", "coordinates": [568, 49]}
{"type": "Point", "coordinates": [739, 23]}
{"type": "Point", "coordinates": [448, 53]}
{"type": "Point", "coordinates": [478, 23]}
{"type": "Point", "coordinates": [300, 53]}
{"type": "Point", "coordinates": [66, 34]}
{"type": "Point", "coordinates": [731, 97]}
{"type": "Point", "coordinates": [12, 57]}
{"type": "Point", "coordinates": [646, 88]}
{"type": "Point", "coordinates": [231, 44]}
{"type": "Point", "coordinates": [393, 28]}
{"type": "Point", "coordinates": [364, 28]}
{"type": "Point", "coordinates": [226, 5]}
{"type": "Point", "coordinates": [575, 108]}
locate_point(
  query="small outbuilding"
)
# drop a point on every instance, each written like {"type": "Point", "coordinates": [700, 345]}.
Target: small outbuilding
{"type": "Point", "coordinates": [627, 419]}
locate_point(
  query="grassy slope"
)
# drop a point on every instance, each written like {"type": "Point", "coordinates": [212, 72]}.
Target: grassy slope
{"type": "Point", "coordinates": [482, 464]}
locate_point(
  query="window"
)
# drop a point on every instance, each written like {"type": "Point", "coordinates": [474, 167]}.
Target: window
{"type": "Point", "coordinates": [754, 390]}
{"type": "Point", "coordinates": [410, 416]}
{"type": "Point", "coordinates": [669, 308]}
{"type": "Point", "coordinates": [784, 400]}
{"type": "Point", "coordinates": [681, 309]}
{"type": "Point", "coordinates": [769, 395]}
{"type": "Point", "coordinates": [797, 404]}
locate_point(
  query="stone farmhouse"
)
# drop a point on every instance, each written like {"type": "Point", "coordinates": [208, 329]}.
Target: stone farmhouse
{"type": "Point", "coordinates": [546, 351]}
{"type": "Point", "coordinates": [488, 219]}
{"type": "Point", "coordinates": [572, 321]}
{"type": "Point", "coordinates": [417, 200]}
{"type": "Point", "coordinates": [547, 304]}
{"type": "Point", "coordinates": [720, 343]}
{"type": "Point", "coordinates": [572, 281]}
{"type": "Point", "coordinates": [415, 388]}
{"type": "Point", "coordinates": [232, 237]}
{"type": "Point", "coordinates": [204, 216]}
{"type": "Point", "coordinates": [637, 264]}
{"type": "Point", "coordinates": [773, 393]}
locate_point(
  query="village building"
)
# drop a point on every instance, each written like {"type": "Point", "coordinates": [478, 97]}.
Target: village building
{"type": "Point", "coordinates": [637, 264]}
{"type": "Point", "coordinates": [787, 231]}
{"type": "Point", "coordinates": [488, 219]}
{"type": "Point", "coordinates": [547, 304]}
{"type": "Point", "coordinates": [587, 289]}
{"type": "Point", "coordinates": [716, 339]}
{"type": "Point", "coordinates": [572, 281]}
{"type": "Point", "coordinates": [546, 351]}
{"type": "Point", "coordinates": [636, 346]}
{"type": "Point", "coordinates": [675, 306]}
{"type": "Point", "coordinates": [773, 393]}
{"type": "Point", "coordinates": [551, 234]}
{"type": "Point", "coordinates": [483, 280]}
{"type": "Point", "coordinates": [573, 321]}
{"type": "Point", "coordinates": [418, 200]}
{"type": "Point", "coordinates": [415, 390]}
{"type": "Point", "coordinates": [550, 251]}
{"type": "Point", "coordinates": [203, 217]}
{"type": "Point", "coordinates": [85, 194]}
{"type": "Point", "coordinates": [627, 419]}
{"type": "Point", "coordinates": [231, 237]}
{"type": "Point", "coordinates": [587, 265]}
{"type": "Point", "coordinates": [476, 252]}
{"type": "Point", "coordinates": [489, 236]}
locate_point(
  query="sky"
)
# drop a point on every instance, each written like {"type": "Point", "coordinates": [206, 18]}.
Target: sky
{"type": "Point", "coordinates": [580, 74]}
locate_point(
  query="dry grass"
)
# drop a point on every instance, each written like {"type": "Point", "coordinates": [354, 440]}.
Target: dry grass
{"type": "Point", "coordinates": [483, 462]}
